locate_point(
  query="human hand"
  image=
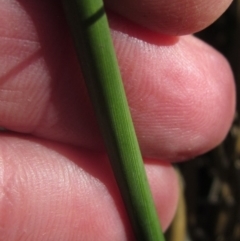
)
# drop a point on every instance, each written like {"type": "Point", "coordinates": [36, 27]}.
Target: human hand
{"type": "Point", "coordinates": [55, 179]}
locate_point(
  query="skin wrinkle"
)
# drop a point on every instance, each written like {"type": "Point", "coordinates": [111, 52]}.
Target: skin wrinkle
{"type": "Point", "coordinates": [29, 47]}
{"type": "Point", "coordinates": [22, 41]}
{"type": "Point", "coordinates": [27, 56]}
{"type": "Point", "coordinates": [17, 96]}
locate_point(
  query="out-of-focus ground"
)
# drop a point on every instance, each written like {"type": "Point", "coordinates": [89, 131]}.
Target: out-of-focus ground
{"type": "Point", "coordinates": [209, 209]}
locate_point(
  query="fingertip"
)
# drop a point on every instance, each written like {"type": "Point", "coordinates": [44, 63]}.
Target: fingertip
{"type": "Point", "coordinates": [182, 96]}
{"type": "Point", "coordinates": [164, 184]}
{"type": "Point", "coordinates": [172, 17]}
{"type": "Point", "coordinates": [63, 193]}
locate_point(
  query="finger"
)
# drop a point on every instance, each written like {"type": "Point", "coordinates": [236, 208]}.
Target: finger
{"type": "Point", "coordinates": [172, 17]}
{"type": "Point", "coordinates": [181, 93]}
{"type": "Point", "coordinates": [54, 192]}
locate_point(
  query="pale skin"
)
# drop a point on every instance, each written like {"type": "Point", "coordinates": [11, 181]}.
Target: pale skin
{"type": "Point", "coordinates": [55, 181]}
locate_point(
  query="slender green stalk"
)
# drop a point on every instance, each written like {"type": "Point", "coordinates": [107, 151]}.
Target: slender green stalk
{"type": "Point", "coordinates": [92, 38]}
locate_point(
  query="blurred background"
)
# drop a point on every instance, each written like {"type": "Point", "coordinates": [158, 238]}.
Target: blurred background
{"type": "Point", "coordinates": [209, 206]}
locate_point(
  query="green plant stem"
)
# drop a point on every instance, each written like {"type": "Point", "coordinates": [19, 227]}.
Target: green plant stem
{"type": "Point", "coordinates": [90, 30]}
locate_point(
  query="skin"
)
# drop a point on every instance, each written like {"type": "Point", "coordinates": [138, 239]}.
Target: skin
{"type": "Point", "coordinates": [55, 180]}
{"type": "Point", "coordinates": [174, 18]}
